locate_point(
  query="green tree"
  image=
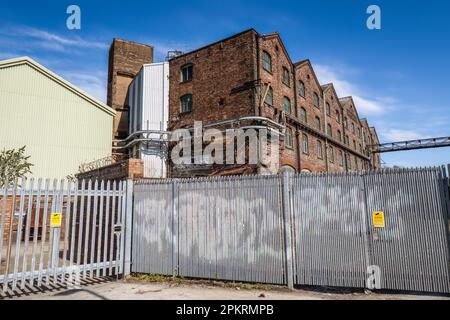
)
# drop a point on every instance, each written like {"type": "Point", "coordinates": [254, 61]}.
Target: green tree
{"type": "Point", "coordinates": [13, 164]}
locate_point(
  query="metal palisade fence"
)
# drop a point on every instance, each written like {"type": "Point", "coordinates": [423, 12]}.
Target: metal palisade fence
{"type": "Point", "coordinates": [379, 230]}
{"type": "Point", "coordinates": [60, 231]}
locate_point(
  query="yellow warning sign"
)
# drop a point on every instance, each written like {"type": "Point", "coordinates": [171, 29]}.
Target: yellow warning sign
{"type": "Point", "coordinates": [55, 221]}
{"type": "Point", "coordinates": [378, 220]}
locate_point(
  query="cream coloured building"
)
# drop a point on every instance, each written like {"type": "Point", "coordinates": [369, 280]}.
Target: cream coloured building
{"type": "Point", "coordinates": [61, 125]}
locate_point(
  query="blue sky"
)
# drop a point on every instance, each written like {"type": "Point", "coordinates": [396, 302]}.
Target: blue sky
{"type": "Point", "coordinates": [399, 76]}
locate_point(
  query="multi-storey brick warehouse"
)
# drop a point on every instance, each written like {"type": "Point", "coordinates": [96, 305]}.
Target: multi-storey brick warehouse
{"type": "Point", "coordinates": [250, 74]}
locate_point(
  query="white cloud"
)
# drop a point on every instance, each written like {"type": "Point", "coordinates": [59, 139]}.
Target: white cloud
{"type": "Point", "coordinates": [51, 41]}
{"type": "Point", "coordinates": [92, 82]}
{"type": "Point", "coordinates": [396, 135]}
{"type": "Point", "coordinates": [365, 105]}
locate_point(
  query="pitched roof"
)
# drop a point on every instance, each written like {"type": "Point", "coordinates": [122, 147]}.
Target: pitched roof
{"type": "Point", "coordinates": [283, 46]}
{"type": "Point", "coordinates": [308, 62]}
{"type": "Point", "coordinates": [53, 76]}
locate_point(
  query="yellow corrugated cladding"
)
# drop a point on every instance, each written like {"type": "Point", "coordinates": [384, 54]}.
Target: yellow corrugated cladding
{"type": "Point", "coordinates": [60, 128]}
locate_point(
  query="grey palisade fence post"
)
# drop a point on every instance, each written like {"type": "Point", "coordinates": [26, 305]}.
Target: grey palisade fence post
{"type": "Point", "coordinates": [175, 228]}
{"type": "Point", "coordinates": [285, 190]}
{"type": "Point", "coordinates": [128, 227]}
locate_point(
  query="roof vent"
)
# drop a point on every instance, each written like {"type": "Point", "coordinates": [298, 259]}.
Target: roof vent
{"type": "Point", "coordinates": [172, 54]}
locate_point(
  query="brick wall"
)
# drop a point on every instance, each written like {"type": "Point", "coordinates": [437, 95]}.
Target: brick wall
{"type": "Point", "coordinates": [132, 169]}
{"type": "Point", "coordinates": [125, 60]}
{"type": "Point", "coordinates": [222, 73]}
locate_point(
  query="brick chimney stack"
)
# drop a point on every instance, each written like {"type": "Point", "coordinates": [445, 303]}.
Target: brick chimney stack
{"type": "Point", "coordinates": [125, 60]}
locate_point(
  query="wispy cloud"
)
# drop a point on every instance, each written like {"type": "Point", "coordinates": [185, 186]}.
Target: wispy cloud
{"type": "Point", "coordinates": [344, 87]}
{"type": "Point", "coordinates": [46, 40]}
{"type": "Point", "coordinates": [395, 135]}
{"type": "Point", "coordinates": [92, 82]}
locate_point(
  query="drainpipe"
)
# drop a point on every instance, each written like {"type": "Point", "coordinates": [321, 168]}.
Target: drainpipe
{"type": "Point", "coordinates": [325, 129]}
{"type": "Point", "coordinates": [297, 131]}
{"type": "Point", "coordinates": [258, 77]}
{"type": "Point", "coordinates": [344, 134]}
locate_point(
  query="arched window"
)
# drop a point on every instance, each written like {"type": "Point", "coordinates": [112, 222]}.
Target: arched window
{"type": "Point", "coordinates": [329, 130]}
{"type": "Point", "coordinates": [339, 135]}
{"type": "Point", "coordinates": [303, 115]}
{"type": "Point", "coordinates": [186, 103]}
{"type": "Point", "coordinates": [289, 142]}
{"type": "Point", "coordinates": [305, 144]}
{"type": "Point", "coordinates": [267, 61]}
{"type": "Point", "coordinates": [316, 101]}
{"type": "Point", "coordinates": [187, 72]}
{"type": "Point", "coordinates": [353, 127]}
{"type": "Point", "coordinates": [286, 77]}
{"type": "Point", "coordinates": [338, 116]}
{"type": "Point", "coordinates": [287, 104]}
{"type": "Point", "coordinates": [319, 149]}
{"type": "Point", "coordinates": [328, 109]}
{"type": "Point", "coordinates": [301, 89]}
{"type": "Point", "coordinates": [341, 158]}
{"type": "Point", "coordinates": [318, 124]}
{"type": "Point", "coordinates": [269, 96]}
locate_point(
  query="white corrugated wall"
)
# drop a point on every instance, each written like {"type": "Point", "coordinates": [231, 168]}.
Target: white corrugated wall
{"type": "Point", "coordinates": [149, 111]}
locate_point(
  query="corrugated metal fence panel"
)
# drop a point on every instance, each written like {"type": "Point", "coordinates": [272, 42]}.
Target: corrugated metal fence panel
{"type": "Point", "coordinates": [412, 249]}
{"type": "Point", "coordinates": [230, 229]}
{"type": "Point", "coordinates": [152, 244]}
{"type": "Point", "coordinates": [329, 230]}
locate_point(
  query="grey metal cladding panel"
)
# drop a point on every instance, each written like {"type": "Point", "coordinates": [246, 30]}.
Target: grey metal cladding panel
{"type": "Point", "coordinates": [230, 229]}
{"type": "Point", "coordinates": [329, 228]}
{"type": "Point", "coordinates": [412, 250]}
{"type": "Point", "coordinates": [152, 234]}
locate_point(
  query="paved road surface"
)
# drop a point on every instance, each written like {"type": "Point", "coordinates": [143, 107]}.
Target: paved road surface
{"type": "Point", "coordinates": [119, 290]}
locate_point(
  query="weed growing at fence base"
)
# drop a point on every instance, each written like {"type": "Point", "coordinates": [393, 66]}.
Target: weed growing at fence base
{"type": "Point", "coordinates": [157, 278]}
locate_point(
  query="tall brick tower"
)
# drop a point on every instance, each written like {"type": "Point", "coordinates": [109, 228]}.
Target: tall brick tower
{"type": "Point", "coordinates": [125, 60]}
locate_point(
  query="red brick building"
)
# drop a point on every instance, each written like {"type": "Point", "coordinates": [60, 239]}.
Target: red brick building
{"type": "Point", "coordinates": [250, 74]}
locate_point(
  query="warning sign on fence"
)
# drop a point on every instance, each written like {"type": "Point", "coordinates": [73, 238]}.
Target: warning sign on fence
{"type": "Point", "coordinates": [378, 220]}
{"type": "Point", "coordinates": [55, 220]}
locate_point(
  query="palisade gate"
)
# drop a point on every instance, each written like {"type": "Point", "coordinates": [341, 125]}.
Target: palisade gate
{"type": "Point", "coordinates": [61, 232]}
{"type": "Point", "coordinates": [379, 230]}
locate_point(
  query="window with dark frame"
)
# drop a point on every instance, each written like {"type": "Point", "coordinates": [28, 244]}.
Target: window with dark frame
{"type": "Point", "coordinates": [267, 61]}
{"type": "Point", "coordinates": [316, 100]}
{"type": "Point", "coordinates": [187, 72]}
{"type": "Point", "coordinates": [301, 89]}
{"type": "Point", "coordinates": [318, 124]}
{"type": "Point", "coordinates": [303, 115]}
{"type": "Point", "coordinates": [319, 149]}
{"type": "Point", "coordinates": [287, 104]}
{"type": "Point", "coordinates": [269, 96]}
{"type": "Point", "coordinates": [329, 130]}
{"type": "Point", "coordinates": [305, 144]}
{"type": "Point", "coordinates": [186, 103]}
{"type": "Point", "coordinates": [328, 109]}
{"type": "Point", "coordinates": [289, 138]}
{"type": "Point", "coordinates": [286, 77]}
